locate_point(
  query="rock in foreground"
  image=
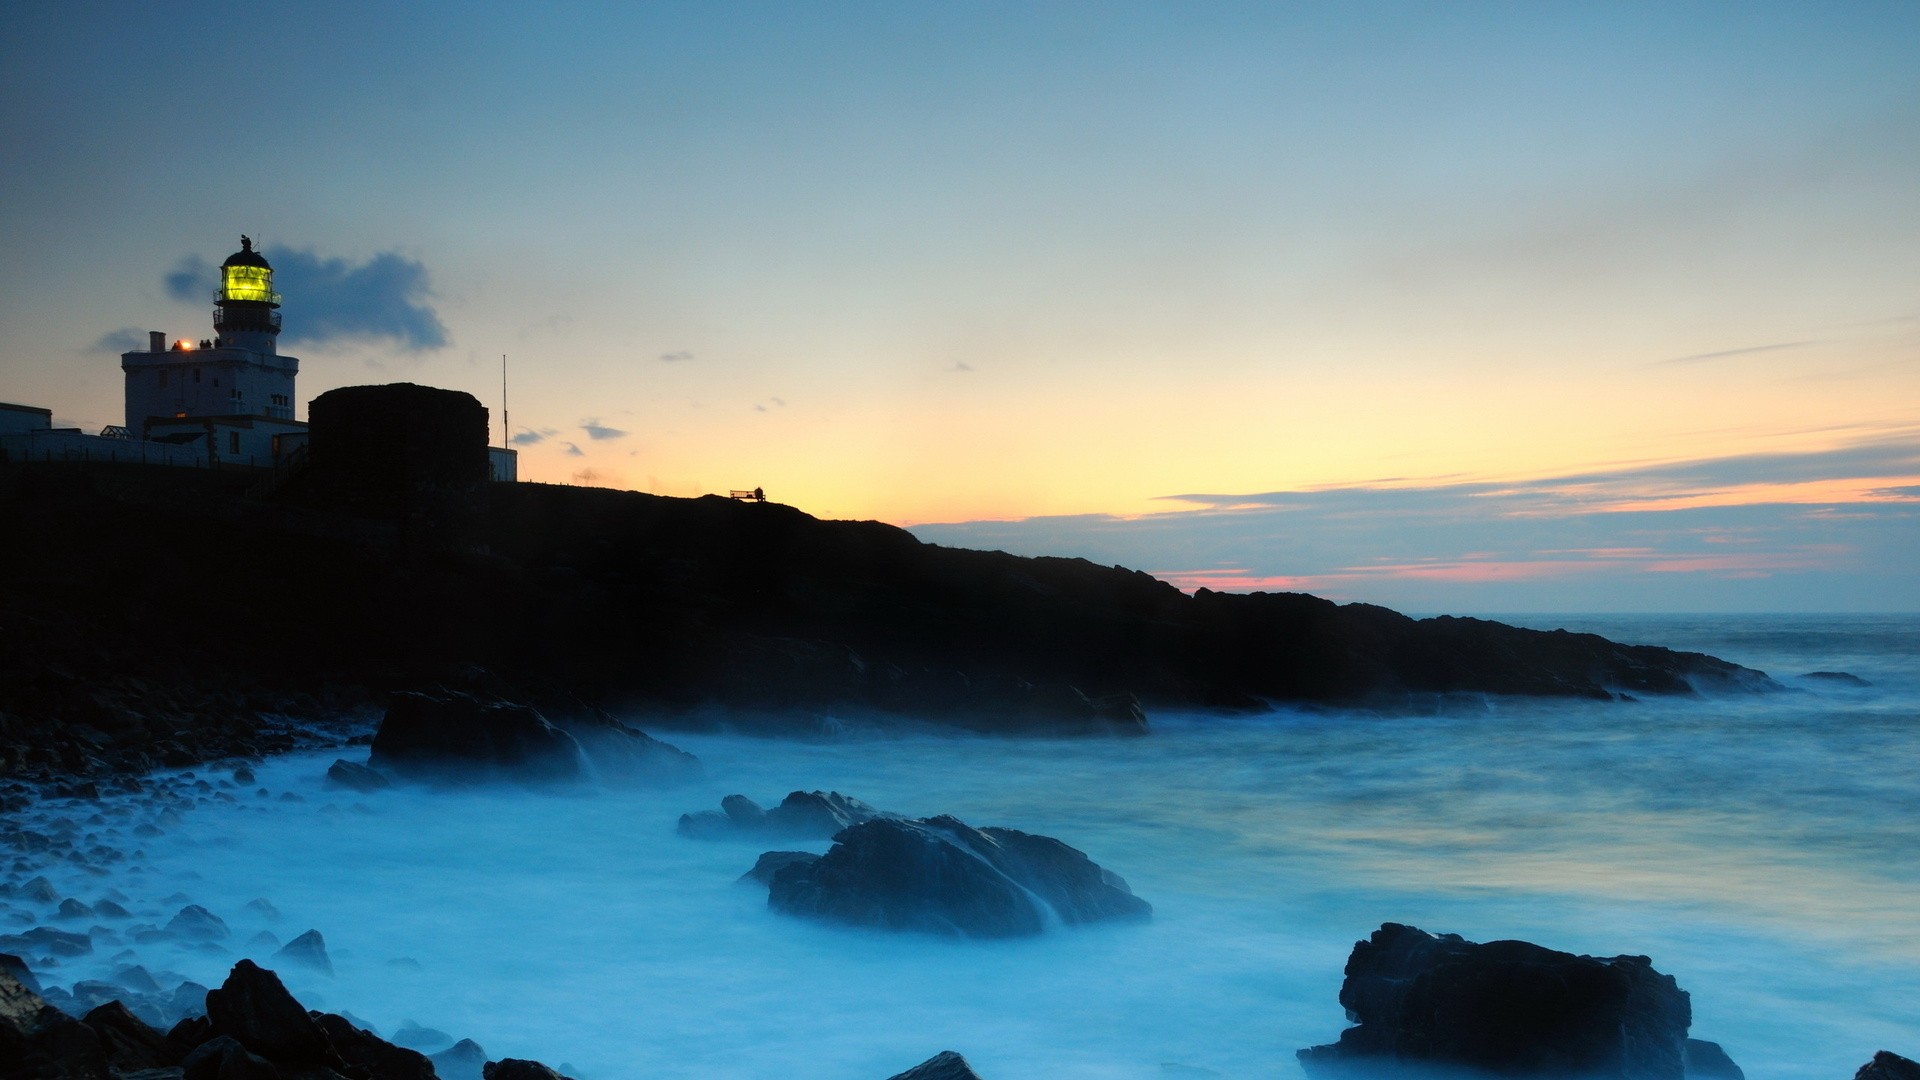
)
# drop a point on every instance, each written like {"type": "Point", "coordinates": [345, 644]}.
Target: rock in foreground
{"type": "Point", "coordinates": [1506, 1007]}
{"type": "Point", "coordinates": [942, 876]}
{"type": "Point", "coordinates": [1887, 1065]}
{"type": "Point", "coordinates": [451, 733]}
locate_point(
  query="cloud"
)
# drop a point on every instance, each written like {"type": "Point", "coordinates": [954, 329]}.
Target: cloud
{"type": "Point", "coordinates": [1811, 531]}
{"type": "Point", "coordinates": [531, 437]}
{"type": "Point", "coordinates": [1724, 353]}
{"type": "Point", "coordinates": [573, 450]}
{"type": "Point", "coordinates": [676, 357]}
{"type": "Point", "coordinates": [759, 408]}
{"type": "Point", "coordinates": [597, 431]}
{"type": "Point", "coordinates": [960, 365]}
{"type": "Point", "coordinates": [125, 339]}
{"type": "Point", "coordinates": [778, 401]}
{"type": "Point", "coordinates": [328, 299]}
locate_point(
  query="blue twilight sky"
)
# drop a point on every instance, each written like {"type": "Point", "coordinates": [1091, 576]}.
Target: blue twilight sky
{"type": "Point", "coordinates": [1451, 307]}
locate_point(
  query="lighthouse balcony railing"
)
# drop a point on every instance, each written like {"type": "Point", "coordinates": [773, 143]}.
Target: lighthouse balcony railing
{"type": "Point", "coordinates": [223, 317]}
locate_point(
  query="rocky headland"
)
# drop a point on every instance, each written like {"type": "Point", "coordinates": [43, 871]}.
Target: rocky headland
{"type": "Point", "coordinates": [159, 617]}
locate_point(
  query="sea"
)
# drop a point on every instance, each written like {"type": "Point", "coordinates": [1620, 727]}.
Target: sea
{"type": "Point", "coordinates": [1763, 849]}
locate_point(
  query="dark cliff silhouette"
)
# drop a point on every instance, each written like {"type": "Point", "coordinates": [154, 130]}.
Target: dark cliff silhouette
{"type": "Point", "coordinates": [133, 597]}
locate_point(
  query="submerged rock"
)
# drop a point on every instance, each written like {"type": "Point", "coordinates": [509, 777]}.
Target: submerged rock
{"type": "Point", "coordinates": [945, 1065]}
{"type": "Point", "coordinates": [198, 924]}
{"type": "Point", "coordinates": [802, 815]}
{"type": "Point", "coordinates": [463, 1060]}
{"type": "Point", "coordinates": [451, 733]}
{"type": "Point", "coordinates": [358, 777]}
{"type": "Point", "coordinates": [309, 950]}
{"type": "Point", "coordinates": [1506, 1007]}
{"type": "Point", "coordinates": [518, 1069]}
{"type": "Point", "coordinates": [943, 876]}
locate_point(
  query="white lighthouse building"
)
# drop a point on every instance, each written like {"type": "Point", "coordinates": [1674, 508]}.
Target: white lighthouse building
{"type": "Point", "coordinates": [234, 390]}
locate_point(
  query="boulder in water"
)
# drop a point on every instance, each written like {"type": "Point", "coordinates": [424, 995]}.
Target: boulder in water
{"type": "Point", "coordinates": [198, 924]}
{"type": "Point", "coordinates": [802, 815]}
{"type": "Point", "coordinates": [373, 1056]}
{"type": "Point", "coordinates": [946, 1065]}
{"type": "Point", "coordinates": [518, 1069]}
{"type": "Point", "coordinates": [1506, 1007]}
{"type": "Point", "coordinates": [943, 876]}
{"type": "Point", "coordinates": [256, 1009]}
{"type": "Point", "coordinates": [348, 774]}
{"type": "Point", "coordinates": [309, 950]}
{"type": "Point", "coordinates": [463, 1060]}
{"type": "Point", "coordinates": [454, 734]}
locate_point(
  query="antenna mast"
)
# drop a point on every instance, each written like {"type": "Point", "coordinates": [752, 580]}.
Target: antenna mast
{"type": "Point", "coordinates": [506, 418]}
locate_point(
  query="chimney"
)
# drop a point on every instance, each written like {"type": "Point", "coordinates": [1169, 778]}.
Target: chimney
{"type": "Point", "coordinates": [156, 341]}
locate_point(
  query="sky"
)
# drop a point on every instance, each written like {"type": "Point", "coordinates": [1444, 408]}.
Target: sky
{"type": "Point", "coordinates": [1463, 307]}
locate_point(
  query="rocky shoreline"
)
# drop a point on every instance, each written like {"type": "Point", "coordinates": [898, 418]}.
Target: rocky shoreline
{"type": "Point", "coordinates": [1422, 1004]}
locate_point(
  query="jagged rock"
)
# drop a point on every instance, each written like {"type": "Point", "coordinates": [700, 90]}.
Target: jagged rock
{"type": "Point", "coordinates": [450, 733]}
{"type": "Point", "coordinates": [945, 1065]}
{"type": "Point", "coordinates": [198, 924]}
{"type": "Point", "coordinates": [309, 950]}
{"type": "Point", "coordinates": [137, 979]}
{"type": "Point", "coordinates": [1507, 1007]}
{"type": "Point", "coordinates": [518, 1069]}
{"type": "Point", "coordinates": [16, 967]}
{"type": "Point", "coordinates": [264, 908]}
{"type": "Point", "coordinates": [38, 1040]}
{"type": "Point", "coordinates": [1887, 1065]}
{"type": "Point", "coordinates": [1707, 1061]}
{"type": "Point", "coordinates": [377, 1057]}
{"type": "Point", "coordinates": [255, 1008]}
{"type": "Point", "coordinates": [463, 1060]}
{"type": "Point", "coordinates": [188, 1000]}
{"type": "Point", "coordinates": [40, 889]}
{"type": "Point", "coordinates": [128, 1041]}
{"type": "Point", "coordinates": [225, 1058]}
{"type": "Point", "coordinates": [942, 876]}
{"type": "Point", "coordinates": [802, 815]}
{"type": "Point", "coordinates": [73, 909]}
{"type": "Point", "coordinates": [359, 777]}
{"type": "Point", "coordinates": [771, 862]}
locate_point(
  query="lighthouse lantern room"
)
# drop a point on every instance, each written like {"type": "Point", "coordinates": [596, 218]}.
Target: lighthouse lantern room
{"type": "Point", "coordinates": [236, 382]}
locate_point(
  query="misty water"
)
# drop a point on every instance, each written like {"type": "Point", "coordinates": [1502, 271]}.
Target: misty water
{"type": "Point", "coordinates": [1762, 850]}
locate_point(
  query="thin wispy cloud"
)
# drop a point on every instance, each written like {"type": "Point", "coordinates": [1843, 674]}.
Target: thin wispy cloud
{"type": "Point", "coordinates": [676, 357]}
{"type": "Point", "coordinates": [530, 437]}
{"type": "Point", "coordinates": [599, 432]}
{"type": "Point", "coordinates": [125, 339]}
{"type": "Point", "coordinates": [572, 450]}
{"type": "Point", "coordinates": [1724, 354]}
{"type": "Point", "coordinates": [386, 297]}
{"type": "Point", "coordinates": [1810, 526]}
{"type": "Point", "coordinates": [960, 366]}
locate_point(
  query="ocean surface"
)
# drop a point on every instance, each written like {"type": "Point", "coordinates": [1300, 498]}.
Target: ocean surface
{"type": "Point", "coordinates": [1764, 850]}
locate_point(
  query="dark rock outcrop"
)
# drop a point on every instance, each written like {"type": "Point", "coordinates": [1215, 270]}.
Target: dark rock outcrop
{"type": "Point", "coordinates": [128, 1042]}
{"type": "Point", "coordinates": [372, 1055]}
{"type": "Point", "coordinates": [802, 815]}
{"type": "Point", "coordinates": [946, 1065]}
{"type": "Point", "coordinates": [1887, 1065]}
{"type": "Point", "coordinates": [254, 1008]}
{"type": "Point", "coordinates": [1506, 1007]}
{"type": "Point", "coordinates": [452, 734]}
{"type": "Point", "coordinates": [38, 1040]}
{"type": "Point", "coordinates": [942, 876]}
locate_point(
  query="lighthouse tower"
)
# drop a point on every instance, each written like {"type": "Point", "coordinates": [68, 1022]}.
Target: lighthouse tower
{"type": "Point", "coordinates": [234, 389]}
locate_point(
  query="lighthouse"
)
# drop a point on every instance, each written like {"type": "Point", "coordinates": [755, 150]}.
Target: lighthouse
{"type": "Point", "coordinates": [235, 389]}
